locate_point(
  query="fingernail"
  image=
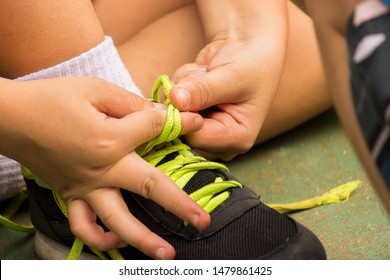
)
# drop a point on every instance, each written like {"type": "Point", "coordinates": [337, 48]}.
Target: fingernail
{"type": "Point", "coordinates": [161, 253]}
{"type": "Point", "coordinates": [184, 97]}
{"type": "Point", "coordinates": [198, 122]}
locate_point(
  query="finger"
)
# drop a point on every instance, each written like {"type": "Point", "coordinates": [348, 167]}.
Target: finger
{"type": "Point", "coordinates": [140, 127]}
{"type": "Point", "coordinates": [209, 136]}
{"type": "Point", "coordinates": [188, 71]}
{"type": "Point", "coordinates": [83, 224]}
{"type": "Point", "coordinates": [190, 122]}
{"type": "Point", "coordinates": [215, 87]}
{"type": "Point", "coordinates": [137, 128]}
{"type": "Point", "coordinates": [209, 139]}
{"type": "Point", "coordinates": [214, 156]}
{"type": "Point", "coordinates": [117, 102]}
{"type": "Point", "coordinates": [112, 210]}
{"type": "Point", "coordinates": [136, 175]}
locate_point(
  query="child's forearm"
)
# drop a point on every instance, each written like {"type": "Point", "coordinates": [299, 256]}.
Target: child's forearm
{"type": "Point", "coordinates": [243, 18]}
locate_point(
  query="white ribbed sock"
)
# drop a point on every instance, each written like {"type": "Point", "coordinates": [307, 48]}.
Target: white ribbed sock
{"type": "Point", "coordinates": [11, 180]}
{"type": "Point", "coordinates": [102, 61]}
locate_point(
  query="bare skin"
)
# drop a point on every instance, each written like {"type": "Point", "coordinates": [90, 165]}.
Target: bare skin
{"type": "Point", "coordinates": [268, 72]}
{"type": "Point", "coordinates": [77, 134]}
{"type": "Point", "coordinates": [271, 99]}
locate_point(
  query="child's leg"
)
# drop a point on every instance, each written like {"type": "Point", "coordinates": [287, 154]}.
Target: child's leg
{"type": "Point", "coordinates": [280, 237]}
{"type": "Point", "coordinates": [122, 19]}
{"type": "Point", "coordinates": [25, 47]}
{"type": "Point", "coordinates": [30, 45]}
{"type": "Point", "coordinates": [303, 91]}
{"type": "Point", "coordinates": [51, 47]}
{"type": "Point", "coordinates": [39, 36]}
{"type": "Point", "coordinates": [178, 36]}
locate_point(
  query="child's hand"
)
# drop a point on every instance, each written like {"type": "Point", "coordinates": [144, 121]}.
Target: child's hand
{"type": "Point", "coordinates": [234, 78]}
{"type": "Point", "coordinates": [232, 85]}
{"type": "Point", "coordinates": [79, 136]}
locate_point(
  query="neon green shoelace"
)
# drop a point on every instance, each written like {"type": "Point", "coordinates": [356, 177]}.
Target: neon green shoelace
{"type": "Point", "coordinates": [181, 169]}
{"type": "Point", "coordinates": [11, 209]}
{"type": "Point", "coordinates": [184, 166]}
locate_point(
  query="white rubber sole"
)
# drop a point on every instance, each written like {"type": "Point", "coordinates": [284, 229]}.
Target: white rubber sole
{"type": "Point", "coordinates": [48, 249]}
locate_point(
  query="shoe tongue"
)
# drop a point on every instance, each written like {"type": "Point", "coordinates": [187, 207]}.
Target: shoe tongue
{"type": "Point", "coordinates": [201, 179]}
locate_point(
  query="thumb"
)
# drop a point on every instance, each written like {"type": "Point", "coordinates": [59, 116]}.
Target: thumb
{"type": "Point", "coordinates": [117, 102]}
{"type": "Point", "coordinates": [201, 92]}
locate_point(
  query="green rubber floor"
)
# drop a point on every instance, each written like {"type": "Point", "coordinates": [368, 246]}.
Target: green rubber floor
{"type": "Point", "coordinates": [303, 163]}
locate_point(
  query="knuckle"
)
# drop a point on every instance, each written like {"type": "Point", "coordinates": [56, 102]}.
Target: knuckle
{"type": "Point", "coordinates": [140, 242]}
{"type": "Point", "coordinates": [239, 145]}
{"type": "Point", "coordinates": [183, 72]}
{"type": "Point", "coordinates": [137, 102]}
{"type": "Point", "coordinates": [148, 185]}
{"type": "Point", "coordinates": [245, 146]}
{"type": "Point", "coordinates": [78, 229]}
{"type": "Point", "coordinates": [204, 94]}
{"type": "Point", "coordinates": [108, 217]}
{"type": "Point", "coordinates": [178, 205]}
{"type": "Point", "coordinates": [228, 157]}
{"type": "Point", "coordinates": [158, 122]}
{"type": "Point", "coordinates": [105, 143]}
{"type": "Point", "coordinates": [102, 142]}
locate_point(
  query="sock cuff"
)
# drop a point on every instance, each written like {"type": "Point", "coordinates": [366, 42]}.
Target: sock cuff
{"type": "Point", "coordinates": [11, 180]}
{"type": "Point", "coordinates": [102, 61]}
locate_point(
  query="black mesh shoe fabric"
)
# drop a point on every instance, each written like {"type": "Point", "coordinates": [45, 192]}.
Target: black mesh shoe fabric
{"type": "Point", "coordinates": [370, 88]}
{"type": "Point", "coordinates": [237, 240]}
{"type": "Point", "coordinates": [241, 228]}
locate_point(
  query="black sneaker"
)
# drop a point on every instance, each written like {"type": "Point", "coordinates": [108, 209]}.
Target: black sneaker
{"type": "Point", "coordinates": [242, 227]}
{"type": "Point", "coordinates": [369, 57]}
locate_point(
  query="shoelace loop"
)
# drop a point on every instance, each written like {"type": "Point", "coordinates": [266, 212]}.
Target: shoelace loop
{"type": "Point", "coordinates": [183, 167]}
{"type": "Point", "coordinates": [172, 126]}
